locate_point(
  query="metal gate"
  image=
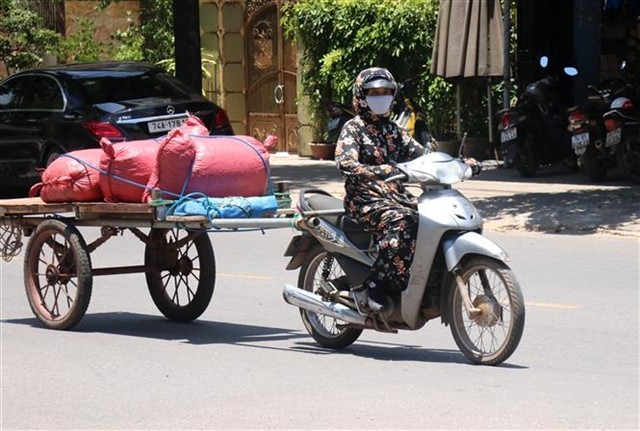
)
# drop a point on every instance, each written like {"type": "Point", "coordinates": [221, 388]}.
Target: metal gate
{"type": "Point", "coordinates": [271, 77]}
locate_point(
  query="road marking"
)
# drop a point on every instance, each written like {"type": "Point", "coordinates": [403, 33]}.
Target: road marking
{"type": "Point", "coordinates": [250, 277]}
{"type": "Point", "coordinates": [549, 305]}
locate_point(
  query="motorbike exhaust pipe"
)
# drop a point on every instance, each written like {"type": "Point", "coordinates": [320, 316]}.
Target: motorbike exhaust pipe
{"type": "Point", "coordinates": [314, 303]}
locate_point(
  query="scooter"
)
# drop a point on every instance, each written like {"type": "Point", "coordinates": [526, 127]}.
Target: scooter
{"type": "Point", "coordinates": [457, 274]}
{"type": "Point", "coordinates": [623, 129]}
{"type": "Point", "coordinates": [534, 133]}
{"type": "Point", "coordinates": [409, 115]}
{"type": "Point", "coordinates": [338, 114]}
{"type": "Point", "coordinates": [595, 153]}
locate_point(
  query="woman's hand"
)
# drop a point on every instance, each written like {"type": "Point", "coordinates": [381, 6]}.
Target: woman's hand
{"type": "Point", "coordinates": [476, 166]}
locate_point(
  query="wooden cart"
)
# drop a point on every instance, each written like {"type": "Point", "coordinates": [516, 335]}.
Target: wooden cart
{"type": "Point", "coordinates": [179, 262]}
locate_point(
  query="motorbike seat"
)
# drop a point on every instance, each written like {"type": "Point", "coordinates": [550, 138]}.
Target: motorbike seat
{"type": "Point", "coordinates": [317, 200]}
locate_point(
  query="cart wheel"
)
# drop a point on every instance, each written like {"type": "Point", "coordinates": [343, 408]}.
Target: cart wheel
{"type": "Point", "coordinates": [57, 274]}
{"type": "Point", "coordinates": [181, 272]}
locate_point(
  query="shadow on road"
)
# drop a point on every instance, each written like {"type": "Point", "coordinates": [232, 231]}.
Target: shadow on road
{"type": "Point", "coordinates": [570, 212]}
{"type": "Point", "coordinates": [202, 332]}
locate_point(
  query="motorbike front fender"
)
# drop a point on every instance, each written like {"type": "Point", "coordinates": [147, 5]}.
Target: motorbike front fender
{"type": "Point", "coordinates": [457, 247]}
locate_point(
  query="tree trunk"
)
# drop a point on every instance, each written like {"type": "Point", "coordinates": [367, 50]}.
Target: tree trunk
{"type": "Point", "coordinates": [186, 30]}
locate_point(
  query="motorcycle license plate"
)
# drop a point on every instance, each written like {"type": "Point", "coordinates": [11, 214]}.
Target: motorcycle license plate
{"type": "Point", "coordinates": [580, 141]}
{"type": "Point", "coordinates": [613, 137]}
{"type": "Point", "coordinates": [509, 135]}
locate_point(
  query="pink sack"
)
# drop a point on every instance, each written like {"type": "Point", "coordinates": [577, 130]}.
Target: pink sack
{"type": "Point", "coordinates": [126, 168]}
{"type": "Point", "coordinates": [229, 166]}
{"type": "Point", "coordinates": [194, 126]}
{"type": "Point", "coordinates": [173, 164]}
{"type": "Point", "coordinates": [72, 177]}
{"type": "Point", "coordinates": [216, 166]}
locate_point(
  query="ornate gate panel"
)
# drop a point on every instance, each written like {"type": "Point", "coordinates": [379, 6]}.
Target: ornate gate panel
{"type": "Point", "coordinates": [271, 77]}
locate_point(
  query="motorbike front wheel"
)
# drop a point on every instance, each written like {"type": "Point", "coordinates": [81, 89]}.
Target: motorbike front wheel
{"type": "Point", "coordinates": [492, 336]}
{"type": "Point", "coordinates": [326, 330]}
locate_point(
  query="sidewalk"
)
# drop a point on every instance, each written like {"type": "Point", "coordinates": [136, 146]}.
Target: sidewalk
{"type": "Point", "coordinates": [555, 201]}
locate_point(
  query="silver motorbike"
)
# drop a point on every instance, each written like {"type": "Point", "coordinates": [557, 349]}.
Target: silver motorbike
{"type": "Point", "coordinates": [457, 274]}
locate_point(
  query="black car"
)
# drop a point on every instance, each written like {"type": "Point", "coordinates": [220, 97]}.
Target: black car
{"type": "Point", "coordinates": [50, 111]}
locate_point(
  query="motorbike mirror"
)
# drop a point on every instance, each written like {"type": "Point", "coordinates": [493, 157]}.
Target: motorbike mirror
{"type": "Point", "coordinates": [544, 61]}
{"type": "Point", "coordinates": [571, 71]}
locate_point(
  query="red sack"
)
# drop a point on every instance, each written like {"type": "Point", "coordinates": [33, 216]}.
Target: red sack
{"type": "Point", "coordinates": [217, 166]}
{"type": "Point", "coordinates": [194, 126]}
{"type": "Point", "coordinates": [126, 168]}
{"type": "Point", "coordinates": [229, 166]}
{"type": "Point", "coordinates": [173, 164]}
{"type": "Point", "coordinates": [72, 177]}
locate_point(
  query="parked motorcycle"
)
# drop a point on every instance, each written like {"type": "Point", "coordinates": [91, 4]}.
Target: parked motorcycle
{"type": "Point", "coordinates": [457, 275]}
{"type": "Point", "coordinates": [409, 115]}
{"type": "Point", "coordinates": [534, 132]}
{"type": "Point", "coordinates": [406, 113]}
{"type": "Point", "coordinates": [596, 154]}
{"type": "Point", "coordinates": [338, 114]}
{"type": "Point", "coordinates": [623, 129]}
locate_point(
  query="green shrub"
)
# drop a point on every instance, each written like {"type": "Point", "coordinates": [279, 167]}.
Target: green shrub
{"type": "Point", "coordinates": [343, 37]}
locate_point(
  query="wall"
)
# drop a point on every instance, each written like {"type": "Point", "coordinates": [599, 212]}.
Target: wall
{"type": "Point", "coordinates": [221, 33]}
{"type": "Point", "coordinates": [106, 21]}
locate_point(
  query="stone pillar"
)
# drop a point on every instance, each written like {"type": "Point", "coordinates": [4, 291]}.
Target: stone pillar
{"type": "Point", "coordinates": [222, 24]}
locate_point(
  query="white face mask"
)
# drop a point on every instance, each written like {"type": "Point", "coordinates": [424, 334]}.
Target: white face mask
{"type": "Point", "coordinates": [379, 105]}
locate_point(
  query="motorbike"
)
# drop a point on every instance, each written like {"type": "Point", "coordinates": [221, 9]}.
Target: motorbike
{"type": "Point", "coordinates": [534, 132]}
{"type": "Point", "coordinates": [622, 123]}
{"type": "Point", "coordinates": [596, 154]}
{"type": "Point", "coordinates": [406, 113]}
{"type": "Point", "coordinates": [337, 114]}
{"type": "Point", "coordinates": [457, 273]}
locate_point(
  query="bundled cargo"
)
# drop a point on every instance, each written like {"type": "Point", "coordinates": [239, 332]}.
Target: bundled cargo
{"type": "Point", "coordinates": [216, 166]}
{"type": "Point", "coordinates": [72, 177]}
{"type": "Point", "coordinates": [126, 168]}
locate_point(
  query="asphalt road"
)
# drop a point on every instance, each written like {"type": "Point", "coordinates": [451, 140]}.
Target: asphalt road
{"type": "Point", "coordinates": [249, 364]}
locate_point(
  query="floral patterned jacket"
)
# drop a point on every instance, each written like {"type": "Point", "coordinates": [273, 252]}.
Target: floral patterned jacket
{"type": "Point", "coordinates": [367, 147]}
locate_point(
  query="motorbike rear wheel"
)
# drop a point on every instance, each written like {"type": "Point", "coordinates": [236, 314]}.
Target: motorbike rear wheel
{"type": "Point", "coordinates": [323, 329]}
{"type": "Point", "coordinates": [491, 337]}
{"type": "Point", "coordinates": [526, 162]}
{"type": "Point", "coordinates": [594, 165]}
{"type": "Point", "coordinates": [628, 157]}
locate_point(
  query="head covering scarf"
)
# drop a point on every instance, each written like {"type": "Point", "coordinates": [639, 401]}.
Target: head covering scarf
{"type": "Point", "coordinates": [359, 97]}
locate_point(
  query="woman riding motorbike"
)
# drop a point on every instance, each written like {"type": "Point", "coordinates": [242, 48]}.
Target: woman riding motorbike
{"type": "Point", "coordinates": [367, 149]}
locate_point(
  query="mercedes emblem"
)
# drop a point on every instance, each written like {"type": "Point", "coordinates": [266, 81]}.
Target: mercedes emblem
{"type": "Point", "coordinates": [171, 110]}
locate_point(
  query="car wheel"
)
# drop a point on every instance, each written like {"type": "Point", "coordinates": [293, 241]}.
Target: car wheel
{"type": "Point", "coordinates": [51, 156]}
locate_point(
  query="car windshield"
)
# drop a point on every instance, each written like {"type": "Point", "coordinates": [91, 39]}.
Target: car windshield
{"type": "Point", "coordinates": [115, 86]}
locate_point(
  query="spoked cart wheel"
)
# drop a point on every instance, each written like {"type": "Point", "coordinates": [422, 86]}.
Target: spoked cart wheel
{"type": "Point", "coordinates": [180, 272]}
{"type": "Point", "coordinates": [57, 274]}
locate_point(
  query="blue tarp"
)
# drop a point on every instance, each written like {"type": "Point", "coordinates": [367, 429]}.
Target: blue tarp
{"type": "Point", "coordinates": [229, 207]}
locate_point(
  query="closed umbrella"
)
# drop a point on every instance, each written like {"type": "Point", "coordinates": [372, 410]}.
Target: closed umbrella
{"type": "Point", "coordinates": [469, 43]}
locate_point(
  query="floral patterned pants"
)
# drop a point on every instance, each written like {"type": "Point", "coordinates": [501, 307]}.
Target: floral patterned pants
{"type": "Point", "coordinates": [394, 229]}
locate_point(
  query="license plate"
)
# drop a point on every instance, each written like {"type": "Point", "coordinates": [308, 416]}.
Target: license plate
{"type": "Point", "coordinates": [509, 135]}
{"type": "Point", "coordinates": [165, 125]}
{"type": "Point", "coordinates": [613, 137]}
{"type": "Point", "coordinates": [580, 141]}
